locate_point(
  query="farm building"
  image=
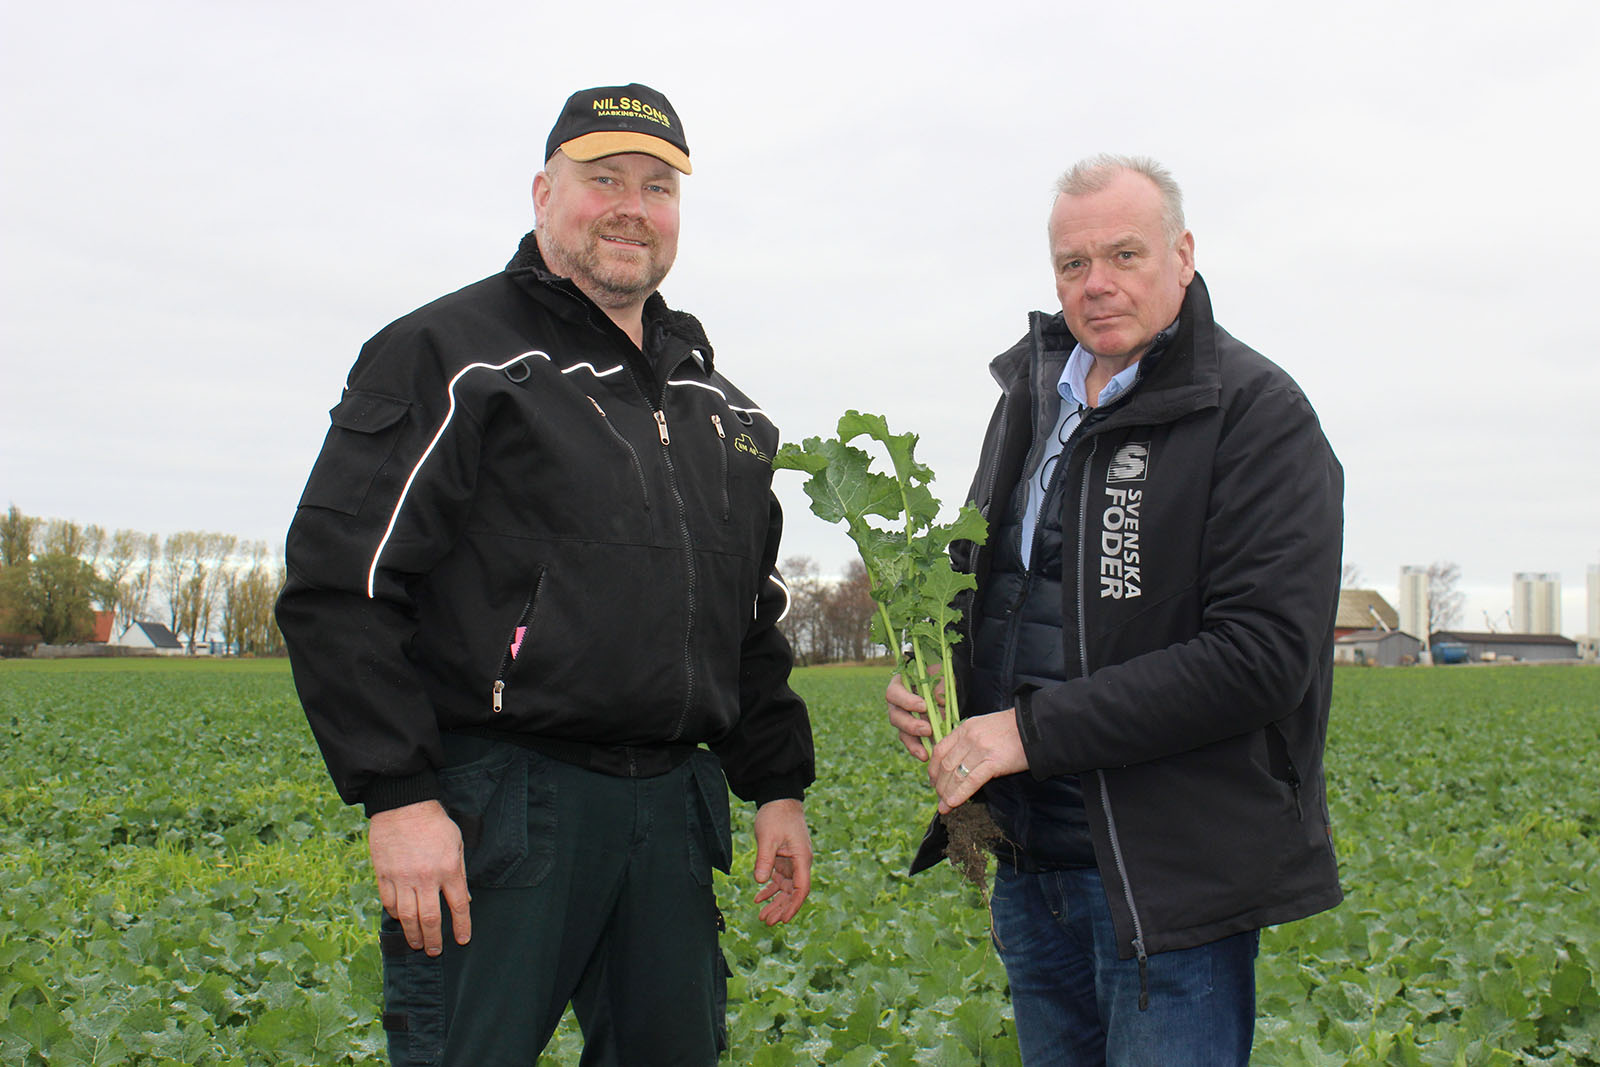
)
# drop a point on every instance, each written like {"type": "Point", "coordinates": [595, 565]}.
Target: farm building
{"type": "Point", "coordinates": [1496, 647]}
{"type": "Point", "coordinates": [1363, 609]}
{"type": "Point", "coordinates": [18, 644]}
{"type": "Point", "coordinates": [1379, 648]}
{"type": "Point", "coordinates": [151, 635]}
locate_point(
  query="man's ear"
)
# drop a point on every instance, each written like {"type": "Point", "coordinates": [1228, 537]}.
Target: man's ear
{"type": "Point", "coordinates": [541, 195]}
{"type": "Point", "coordinates": [1185, 252]}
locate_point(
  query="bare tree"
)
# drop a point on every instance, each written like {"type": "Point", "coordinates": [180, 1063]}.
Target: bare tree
{"type": "Point", "coordinates": [829, 619]}
{"type": "Point", "coordinates": [129, 570]}
{"type": "Point", "coordinates": [184, 575]}
{"type": "Point", "coordinates": [65, 537]}
{"type": "Point", "coordinates": [174, 575]}
{"type": "Point", "coordinates": [802, 624]}
{"type": "Point", "coordinates": [215, 549]}
{"type": "Point", "coordinates": [1350, 577]}
{"type": "Point", "coordinates": [95, 543]}
{"type": "Point", "coordinates": [248, 593]}
{"type": "Point", "coordinates": [1445, 601]}
{"type": "Point", "coordinates": [848, 611]}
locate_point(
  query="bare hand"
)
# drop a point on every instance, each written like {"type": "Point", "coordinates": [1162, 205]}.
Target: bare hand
{"type": "Point", "coordinates": [908, 713]}
{"type": "Point", "coordinates": [783, 859]}
{"type": "Point", "coordinates": [417, 855]}
{"type": "Point", "coordinates": [980, 748]}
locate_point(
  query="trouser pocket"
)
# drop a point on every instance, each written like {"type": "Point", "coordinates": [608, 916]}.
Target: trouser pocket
{"type": "Point", "coordinates": [504, 803]}
{"type": "Point", "coordinates": [413, 999]}
{"type": "Point", "coordinates": [710, 825]}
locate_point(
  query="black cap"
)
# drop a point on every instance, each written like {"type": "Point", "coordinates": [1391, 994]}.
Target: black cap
{"type": "Point", "coordinates": [619, 118]}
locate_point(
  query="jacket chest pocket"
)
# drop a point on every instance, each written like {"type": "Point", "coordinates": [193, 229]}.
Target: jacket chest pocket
{"type": "Point", "coordinates": [364, 430]}
{"type": "Point", "coordinates": [729, 484]}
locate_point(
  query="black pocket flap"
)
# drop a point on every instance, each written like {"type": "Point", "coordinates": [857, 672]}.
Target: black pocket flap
{"type": "Point", "coordinates": [711, 792]}
{"type": "Point", "coordinates": [367, 412]}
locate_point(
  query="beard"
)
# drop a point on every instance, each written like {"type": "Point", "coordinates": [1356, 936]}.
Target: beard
{"type": "Point", "coordinates": [610, 280]}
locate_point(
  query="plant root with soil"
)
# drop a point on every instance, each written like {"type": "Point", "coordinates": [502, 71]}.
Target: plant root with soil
{"type": "Point", "coordinates": [972, 835]}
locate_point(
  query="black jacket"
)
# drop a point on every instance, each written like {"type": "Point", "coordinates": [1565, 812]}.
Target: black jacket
{"type": "Point", "coordinates": [520, 524]}
{"type": "Point", "coordinates": [1202, 512]}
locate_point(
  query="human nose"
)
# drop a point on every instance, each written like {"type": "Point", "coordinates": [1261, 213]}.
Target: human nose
{"type": "Point", "coordinates": [630, 202]}
{"type": "Point", "coordinates": [1098, 281]}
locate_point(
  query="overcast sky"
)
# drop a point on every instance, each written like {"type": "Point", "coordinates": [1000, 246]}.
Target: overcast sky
{"type": "Point", "coordinates": [208, 207]}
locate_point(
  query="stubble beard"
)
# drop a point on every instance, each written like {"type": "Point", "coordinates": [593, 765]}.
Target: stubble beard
{"type": "Point", "coordinates": [611, 284]}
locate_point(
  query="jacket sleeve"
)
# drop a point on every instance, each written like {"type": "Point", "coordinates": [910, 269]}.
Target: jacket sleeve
{"type": "Point", "coordinates": [769, 754]}
{"type": "Point", "coordinates": [1268, 574]}
{"type": "Point", "coordinates": [369, 524]}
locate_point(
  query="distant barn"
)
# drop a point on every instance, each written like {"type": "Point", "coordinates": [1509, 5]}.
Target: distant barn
{"type": "Point", "coordinates": [1493, 647]}
{"type": "Point", "coordinates": [1377, 648]}
{"type": "Point", "coordinates": [1363, 609]}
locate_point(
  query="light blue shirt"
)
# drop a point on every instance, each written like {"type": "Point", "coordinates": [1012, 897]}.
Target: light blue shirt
{"type": "Point", "coordinates": [1074, 390]}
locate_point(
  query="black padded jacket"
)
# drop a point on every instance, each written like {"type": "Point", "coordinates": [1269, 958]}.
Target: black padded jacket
{"type": "Point", "coordinates": [1203, 517]}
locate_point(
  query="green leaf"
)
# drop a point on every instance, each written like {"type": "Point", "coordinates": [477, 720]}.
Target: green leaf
{"type": "Point", "coordinates": [901, 447]}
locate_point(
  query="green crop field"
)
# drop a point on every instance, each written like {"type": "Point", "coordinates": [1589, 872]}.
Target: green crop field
{"type": "Point", "coordinates": [179, 884]}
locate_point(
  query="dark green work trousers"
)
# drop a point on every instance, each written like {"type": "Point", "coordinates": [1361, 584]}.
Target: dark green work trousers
{"type": "Point", "coordinates": [586, 888]}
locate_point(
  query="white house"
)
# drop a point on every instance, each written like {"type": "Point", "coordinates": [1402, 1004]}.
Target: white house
{"type": "Point", "coordinates": [151, 635]}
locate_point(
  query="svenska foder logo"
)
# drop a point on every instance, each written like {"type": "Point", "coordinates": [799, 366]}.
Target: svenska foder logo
{"type": "Point", "coordinates": [1129, 463]}
{"type": "Point", "coordinates": [627, 107]}
{"type": "Point", "coordinates": [1121, 574]}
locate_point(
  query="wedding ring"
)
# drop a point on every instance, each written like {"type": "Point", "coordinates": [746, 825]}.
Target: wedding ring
{"type": "Point", "coordinates": [962, 770]}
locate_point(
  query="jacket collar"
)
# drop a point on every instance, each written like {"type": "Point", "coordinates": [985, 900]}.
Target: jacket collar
{"type": "Point", "coordinates": [1182, 378]}
{"type": "Point", "coordinates": [669, 334]}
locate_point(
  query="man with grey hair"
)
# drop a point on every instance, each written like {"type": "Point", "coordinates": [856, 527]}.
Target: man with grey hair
{"type": "Point", "coordinates": [1148, 663]}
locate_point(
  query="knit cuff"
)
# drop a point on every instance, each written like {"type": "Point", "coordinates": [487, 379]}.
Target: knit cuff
{"type": "Point", "coordinates": [385, 794]}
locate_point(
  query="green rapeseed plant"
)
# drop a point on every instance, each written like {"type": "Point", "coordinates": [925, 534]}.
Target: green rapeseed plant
{"type": "Point", "coordinates": [913, 583]}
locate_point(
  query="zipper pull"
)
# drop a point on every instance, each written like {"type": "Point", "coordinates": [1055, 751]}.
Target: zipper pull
{"type": "Point", "coordinates": [716, 420]}
{"type": "Point", "coordinates": [499, 687]}
{"type": "Point", "coordinates": [597, 406]}
{"type": "Point", "coordinates": [1016, 601]}
{"type": "Point", "coordinates": [661, 427]}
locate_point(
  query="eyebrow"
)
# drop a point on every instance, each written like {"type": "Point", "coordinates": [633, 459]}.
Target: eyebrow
{"type": "Point", "coordinates": [1116, 244]}
{"type": "Point", "coordinates": [665, 170]}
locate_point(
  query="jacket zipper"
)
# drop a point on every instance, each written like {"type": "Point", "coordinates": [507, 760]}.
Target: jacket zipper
{"type": "Point", "coordinates": [524, 623]}
{"type": "Point", "coordinates": [633, 454]}
{"type": "Point", "coordinates": [1105, 791]}
{"type": "Point", "coordinates": [722, 452]}
{"type": "Point", "coordinates": [1127, 895]}
{"type": "Point", "coordinates": [994, 461]}
{"type": "Point", "coordinates": [691, 602]}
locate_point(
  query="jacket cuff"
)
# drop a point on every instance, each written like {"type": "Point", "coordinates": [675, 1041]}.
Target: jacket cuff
{"type": "Point", "coordinates": [784, 787]}
{"type": "Point", "coordinates": [385, 794]}
{"type": "Point", "coordinates": [1028, 730]}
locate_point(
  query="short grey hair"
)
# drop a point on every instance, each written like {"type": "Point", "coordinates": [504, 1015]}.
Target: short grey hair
{"type": "Point", "coordinates": [1095, 173]}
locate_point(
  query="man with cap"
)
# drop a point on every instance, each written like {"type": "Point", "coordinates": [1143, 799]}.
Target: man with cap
{"type": "Point", "coordinates": [531, 609]}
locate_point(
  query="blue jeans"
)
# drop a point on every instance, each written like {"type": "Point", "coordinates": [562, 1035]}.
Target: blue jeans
{"type": "Point", "coordinates": [1077, 1003]}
